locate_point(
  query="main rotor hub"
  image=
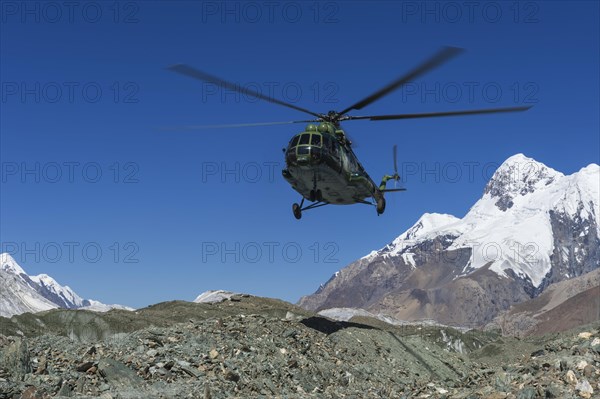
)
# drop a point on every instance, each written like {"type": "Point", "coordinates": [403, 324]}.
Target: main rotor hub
{"type": "Point", "coordinates": [332, 117]}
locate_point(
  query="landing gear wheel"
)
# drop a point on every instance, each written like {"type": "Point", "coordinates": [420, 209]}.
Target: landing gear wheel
{"type": "Point", "coordinates": [319, 196]}
{"type": "Point", "coordinates": [380, 206]}
{"type": "Point", "coordinates": [297, 211]}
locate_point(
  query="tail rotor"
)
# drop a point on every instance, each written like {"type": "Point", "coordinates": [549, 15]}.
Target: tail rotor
{"type": "Point", "coordinates": [395, 176]}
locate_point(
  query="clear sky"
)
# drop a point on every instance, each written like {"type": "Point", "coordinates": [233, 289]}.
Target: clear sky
{"type": "Point", "coordinates": [96, 194]}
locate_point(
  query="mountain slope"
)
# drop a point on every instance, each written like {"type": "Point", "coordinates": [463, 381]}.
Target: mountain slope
{"type": "Point", "coordinates": [21, 293]}
{"type": "Point", "coordinates": [18, 293]}
{"type": "Point", "coordinates": [532, 227]}
{"type": "Point", "coordinates": [571, 302]}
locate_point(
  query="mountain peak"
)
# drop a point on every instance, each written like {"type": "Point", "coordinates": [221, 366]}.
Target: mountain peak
{"type": "Point", "coordinates": [428, 222]}
{"type": "Point", "coordinates": [590, 169]}
{"type": "Point", "coordinates": [9, 264]}
{"type": "Point", "coordinates": [519, 175]}
{"type": "Point", "coordinates": [518, 158]}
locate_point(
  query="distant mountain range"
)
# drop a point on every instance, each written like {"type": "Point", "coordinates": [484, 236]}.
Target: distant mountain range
{"type": "Point", "coordinates": [21, 293]}
{"type": "Point", "coordinates": [533, 227]}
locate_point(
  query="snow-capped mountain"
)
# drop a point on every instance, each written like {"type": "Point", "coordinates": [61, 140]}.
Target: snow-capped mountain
{"type": "Point", "coordinates": [63, 296]}
{"type": "Point", "coordinates": [20, 293]}
{"type": "Point", "coordinates": [17, 294]}
{"type": "Point", "coordinates": [532, 227]}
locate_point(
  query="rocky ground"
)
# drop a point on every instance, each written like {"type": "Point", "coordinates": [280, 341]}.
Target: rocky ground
{"type": "Point", "coordinates": [250, 347]}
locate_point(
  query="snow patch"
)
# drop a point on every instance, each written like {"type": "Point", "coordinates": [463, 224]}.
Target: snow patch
{"type": "Point", "coordinates": [214, 296]}
{"type": "Point", "coordinates": [426, 225]}
{"type": "Point", "coordinates": [409, 259]}
{"type": "Point", "coordinates": [344, 314]}
{"type": "Point", "coordinates": [100, 307]}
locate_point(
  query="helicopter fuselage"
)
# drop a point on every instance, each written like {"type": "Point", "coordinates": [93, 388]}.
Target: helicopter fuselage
{"type": "Point", "coordinates": [321, 166]}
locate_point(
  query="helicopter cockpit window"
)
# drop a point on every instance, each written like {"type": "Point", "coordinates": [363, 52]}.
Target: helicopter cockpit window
{"type": "Point", "coordinates": [303, 150]}
{"type": "Point", "coordinates": [315, 140]}
{"type": "Point", "coordinates": [304, 139]}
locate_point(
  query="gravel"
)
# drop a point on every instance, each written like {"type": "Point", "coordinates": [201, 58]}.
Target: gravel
{"type": "Point", "coordinates": [249, 347]}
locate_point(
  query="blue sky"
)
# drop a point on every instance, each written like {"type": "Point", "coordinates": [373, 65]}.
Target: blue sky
{"type": "Point", "coordinates": [95, 193]}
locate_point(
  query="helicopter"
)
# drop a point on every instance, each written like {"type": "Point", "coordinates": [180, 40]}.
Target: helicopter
{"type": "Point", "coordinates": [320, 162]}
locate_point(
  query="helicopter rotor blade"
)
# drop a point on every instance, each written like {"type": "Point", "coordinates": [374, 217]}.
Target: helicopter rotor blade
{"type": "Point", "coordinates": [438, 114]}
{"type": "Point", "coordinates": [205, 77]}
{"type": "Point", "coordinates": [392, 190]}
{"type": "Point", "coordinates": [232, 125]}
{"type": "Point", "coordinates": [439, 58]}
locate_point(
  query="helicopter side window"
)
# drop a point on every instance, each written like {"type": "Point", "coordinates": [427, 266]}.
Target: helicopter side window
{"type": "Point", "coordinates": [315, 140]}
{"type": "Point", "coordinates": [294, 141]}
{"type": "Point", "coordinates": [305, 139]}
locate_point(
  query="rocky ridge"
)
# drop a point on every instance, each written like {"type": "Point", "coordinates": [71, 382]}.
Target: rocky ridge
{"type": "Point", "coordinates": [257, 347]}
